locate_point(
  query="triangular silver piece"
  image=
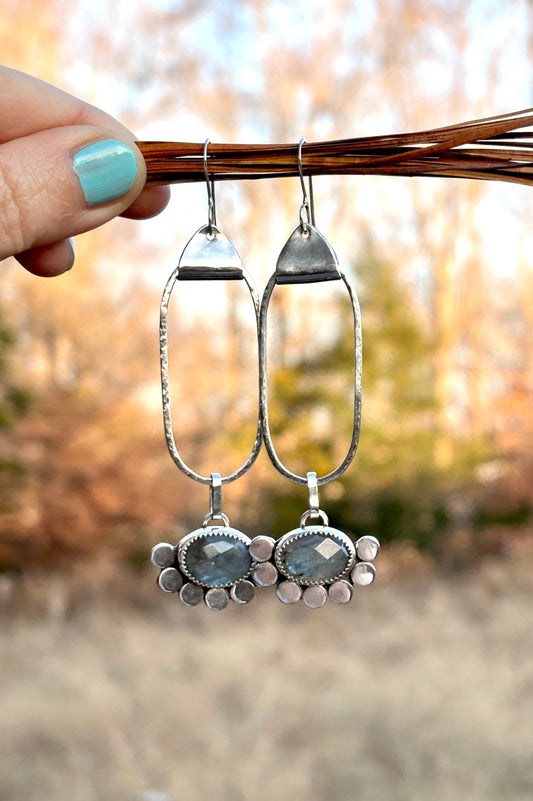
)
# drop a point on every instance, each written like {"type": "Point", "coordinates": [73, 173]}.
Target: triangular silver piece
{"type": "Point", "coordinates": [209, 255]}
{"type": "Point", "coordinates": [307, 257]}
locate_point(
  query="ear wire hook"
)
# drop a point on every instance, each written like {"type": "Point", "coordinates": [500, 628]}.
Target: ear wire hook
{"type": "Point", "coordinates": [308, 205]}
{"type": "Point", "coordinates": [210, 184]}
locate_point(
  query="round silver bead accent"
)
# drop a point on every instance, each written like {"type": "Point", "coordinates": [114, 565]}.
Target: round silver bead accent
{"type": "Point", "coordinates": [363, 573]}
{"type": "Point", "coordinates": [242, 592]}
{"type": "Point", "coordinates": [170, 580]}
{"type": "Point", "coordinates": [315, 596]}
{"type": "Point", "coordinates": [340, 592]}
{"type": "Point", "coordinates": [163, 554]}
{"type": "Point", "coordinates": [262, 548]}
{"type": "Point", "coordinates": [289, 592]}
{"type": "Point", "coordinates": [367, 548]}
{"type": "Point", "coordinates": [265, 574]}
{"type": "Point", "coordinates": [217, 598]}
{"type": "Point", "coordinates": [191, 594]}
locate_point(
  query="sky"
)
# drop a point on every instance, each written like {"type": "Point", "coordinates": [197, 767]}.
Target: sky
{"type": "Point", "coordinates": [129, 65]}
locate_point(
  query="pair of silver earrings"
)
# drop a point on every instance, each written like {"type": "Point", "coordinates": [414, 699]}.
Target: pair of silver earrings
{"type": "Point", "coordinates": [217, 563]}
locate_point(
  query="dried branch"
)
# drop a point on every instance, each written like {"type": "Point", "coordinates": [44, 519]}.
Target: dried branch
{"type": "Point", "coordinates": [490, 149]}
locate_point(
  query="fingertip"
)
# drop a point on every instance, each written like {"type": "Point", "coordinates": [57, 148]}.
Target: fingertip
{"type": "Point", "coordinates": [151, 201]}
{"type": "Point", "coordinates": [48, 261]}
{"type": "Point", "coordinates": [80, 178]}
{"type": "Point", "coordinates": [109, 171]}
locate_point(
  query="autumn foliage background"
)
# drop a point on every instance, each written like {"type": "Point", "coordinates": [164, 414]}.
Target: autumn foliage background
{"type": "Point", "coordinates": [447, 427]}
{"type": "Point", "coordinates": [444, 471]}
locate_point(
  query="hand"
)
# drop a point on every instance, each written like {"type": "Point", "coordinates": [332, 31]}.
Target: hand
{"type": "Point", "coordinates": [65, 167]}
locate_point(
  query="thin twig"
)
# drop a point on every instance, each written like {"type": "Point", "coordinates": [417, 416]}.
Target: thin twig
{"type": "Point", "coordinates": [491, 149]}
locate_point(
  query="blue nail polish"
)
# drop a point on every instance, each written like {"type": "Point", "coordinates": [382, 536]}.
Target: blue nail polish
{"type": "Point", "coordinates": [106, 170]}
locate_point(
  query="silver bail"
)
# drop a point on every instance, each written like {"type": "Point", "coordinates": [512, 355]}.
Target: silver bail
{"type": "Point", "coordinates": [215, 495]}
{"type": "Point", "coordinates": [215, 501]}
{"type": "Point", "coordinates": [312, 485]}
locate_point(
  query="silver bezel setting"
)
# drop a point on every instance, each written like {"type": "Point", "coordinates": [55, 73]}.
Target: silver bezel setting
{"type": "Point", "coordinates": [201, 533]}
{"type": "Point", "coordinates": [302, 533]}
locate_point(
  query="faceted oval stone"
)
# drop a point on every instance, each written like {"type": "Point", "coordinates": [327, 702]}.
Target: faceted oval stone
{"type": "Point", "coordinates": [215, 556]}
{"type": "Point", "coordinates": [314, 555]}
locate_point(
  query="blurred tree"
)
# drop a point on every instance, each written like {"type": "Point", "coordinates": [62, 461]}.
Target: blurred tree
{"type": "Point", "coordinates": [455, 70]}
{"type": "Point", "coordinates": [97, 475]}
{"type": "Point", "coordinates": [396, 488]}
{"type": "Point", "coordinates": [313, 399]}
{"type": "Point", "coordinates": [14, 402]}
{"type": "Point", "coordinates": [30, 36]}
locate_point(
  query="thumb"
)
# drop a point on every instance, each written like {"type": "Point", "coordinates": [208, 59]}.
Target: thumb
{"type": "Point", "coordinates": [61, 182]}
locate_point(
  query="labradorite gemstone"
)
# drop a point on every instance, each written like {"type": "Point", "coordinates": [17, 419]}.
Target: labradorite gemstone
{"type": "Point", "coordinates": [315, 557]}
{"type": "Point", "coordinates": [217, 559]}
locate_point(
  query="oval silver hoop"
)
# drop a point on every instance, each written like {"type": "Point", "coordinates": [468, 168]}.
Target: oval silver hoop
{"type": "Point", "coordinates": [308, 259]}
{"type": "Point", "coordinates": [209, 255]}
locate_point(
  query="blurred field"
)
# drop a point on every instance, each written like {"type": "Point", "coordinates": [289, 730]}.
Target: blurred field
{"type": "Point", "coordinates": [417, 690]}
{"type": "Point", "coordinates": [422, 688]}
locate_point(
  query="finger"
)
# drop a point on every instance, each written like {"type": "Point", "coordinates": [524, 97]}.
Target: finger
{"type": "Point", "coordinates": [61, 182]}
{"type": "Point", "coordinates": [58, 257]}
{"type": "Point", "coordinates": [29, 105]}
{"type": "Point", "coordinates": [150, 202]}
{"type": "Point", "coordinates": [48, 260]}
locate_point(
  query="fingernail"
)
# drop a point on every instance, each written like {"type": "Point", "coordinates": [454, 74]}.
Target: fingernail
{"type": "Point", "coordinates": [71, 243]}
{"type": "Point", "coordinates": [106, 170]}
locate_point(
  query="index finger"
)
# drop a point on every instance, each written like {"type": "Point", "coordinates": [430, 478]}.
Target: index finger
{"type": "Point", "coordinates": [29, 105]}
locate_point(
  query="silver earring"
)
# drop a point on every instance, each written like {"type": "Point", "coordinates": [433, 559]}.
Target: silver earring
{"type": "Point", "coordinates": [313, 561]}
{"type": "Point", "coordinates": [214, 562]}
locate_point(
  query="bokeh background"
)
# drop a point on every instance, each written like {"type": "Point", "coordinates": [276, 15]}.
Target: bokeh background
{"type": "Point", "coordinates": [423, 685]}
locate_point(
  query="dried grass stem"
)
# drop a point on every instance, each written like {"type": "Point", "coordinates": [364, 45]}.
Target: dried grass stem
{"type": "Point", "coordinates": [492, 149]}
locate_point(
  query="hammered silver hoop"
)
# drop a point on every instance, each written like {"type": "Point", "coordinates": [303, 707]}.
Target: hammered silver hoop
{"type": "Point", "coordinates": [188, 272]}
{"type": "Point", "coordinates": [263, 396]}
{"type": "Point", "coordinates": [208, 255]}
{"type": "Point", "coordinates": [308, 257]}
{"type": "Point", "coordinates": [295, 266]}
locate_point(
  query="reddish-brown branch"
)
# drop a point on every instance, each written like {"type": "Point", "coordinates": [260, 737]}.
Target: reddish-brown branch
{"type": "Point", "coordinates": [493, 149]}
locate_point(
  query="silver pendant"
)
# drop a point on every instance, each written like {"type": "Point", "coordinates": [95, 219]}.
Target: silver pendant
{"type": "Point", "coordinates": [314, 562]}
{"type": "Point", "coordinates": [211, 564]}
{"type": "Point", "coordinates": [217, 563]}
